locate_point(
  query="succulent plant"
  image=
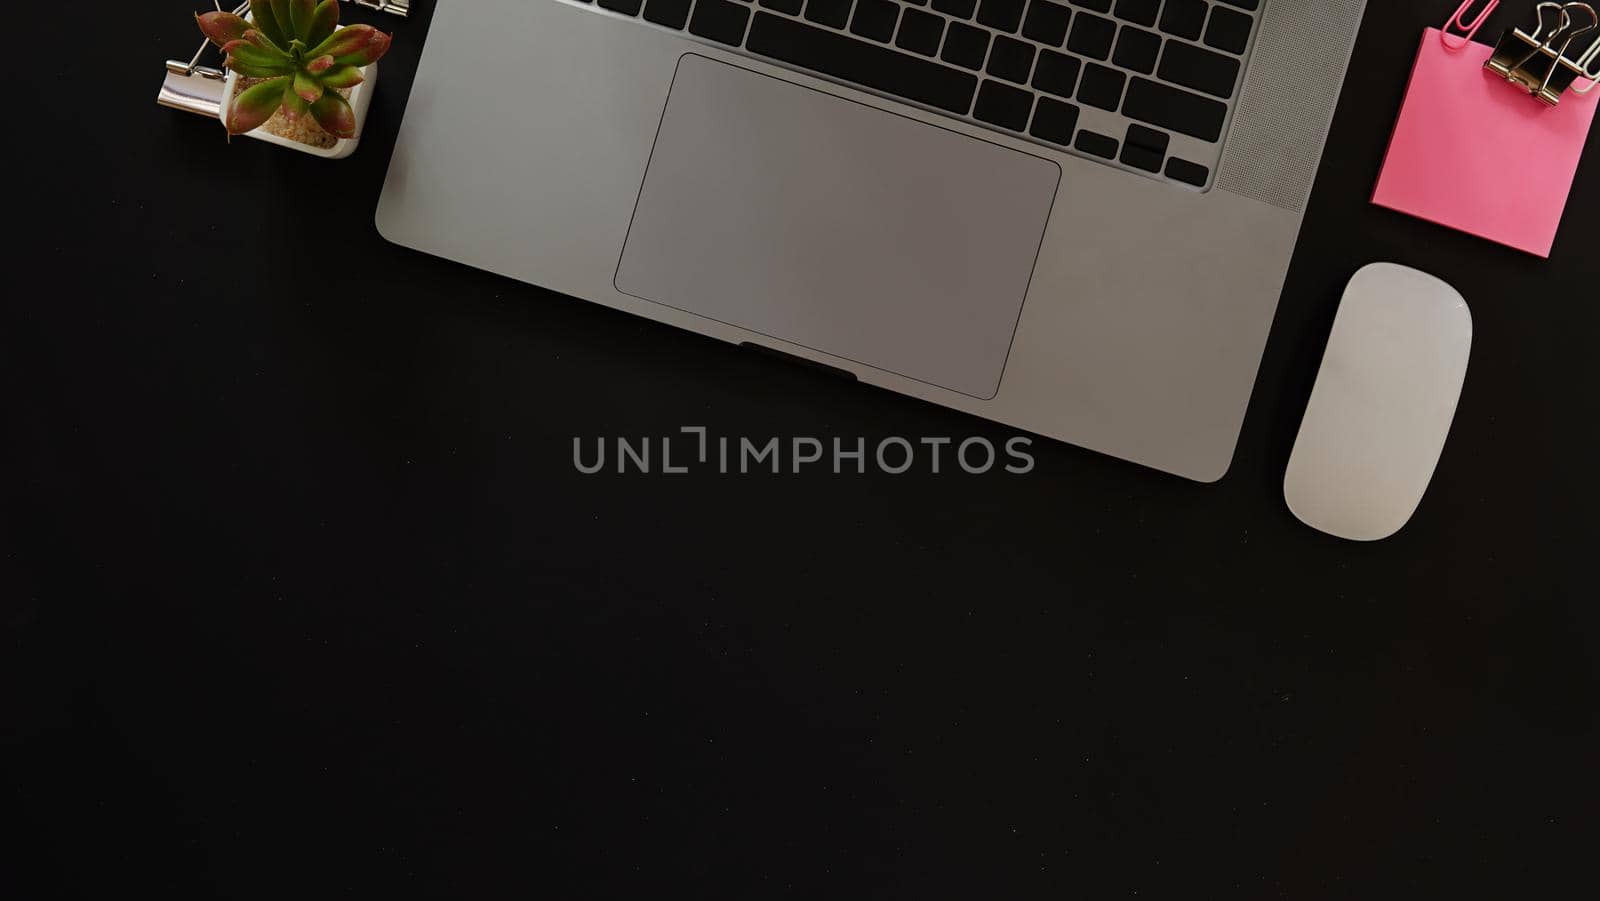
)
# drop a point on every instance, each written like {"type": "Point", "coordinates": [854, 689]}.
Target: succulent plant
{"type": "Point", "coordinates": [298, 47]}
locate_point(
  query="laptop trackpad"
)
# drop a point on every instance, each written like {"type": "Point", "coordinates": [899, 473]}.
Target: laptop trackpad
{"type": "Point", "coordinates": [829, 224]}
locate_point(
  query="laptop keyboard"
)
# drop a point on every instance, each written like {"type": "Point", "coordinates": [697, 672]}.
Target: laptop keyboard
{"type": "Point", "coordinates": [1144, 85]}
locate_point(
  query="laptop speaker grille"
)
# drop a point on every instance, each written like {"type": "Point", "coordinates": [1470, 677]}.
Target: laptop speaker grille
{"type": "Point", "coordinates": [1287, 105]}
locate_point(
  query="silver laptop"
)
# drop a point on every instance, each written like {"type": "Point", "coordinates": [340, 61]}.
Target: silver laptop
{"type": "Point", "coordinates": [1070, 216]}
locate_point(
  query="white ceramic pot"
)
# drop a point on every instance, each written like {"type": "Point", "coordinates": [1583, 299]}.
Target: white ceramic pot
{"type": "Point", "coordinates": [360, 99]}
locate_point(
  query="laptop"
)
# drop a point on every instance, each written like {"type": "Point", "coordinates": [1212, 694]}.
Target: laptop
{"type": "Point", "coordinates": [1073, 217]}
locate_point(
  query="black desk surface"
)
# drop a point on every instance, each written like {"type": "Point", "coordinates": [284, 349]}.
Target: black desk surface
{"type": "Point", "coordinates": [306, 596]}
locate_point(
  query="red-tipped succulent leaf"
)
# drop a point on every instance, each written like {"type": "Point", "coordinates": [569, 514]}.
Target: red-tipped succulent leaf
{"type": "Point", "coordinates": [370, 54]}
{"type": "Point", "coordinates": [335, 116]}
{"type": "Point", "coordinates": [249, 60]}
{"type": "Point", "coordinates": [255, 105]}
{"type": "Point", "coordinates": [308, 87]}
{"type": "Point", "coordinates": [222, 28]}
{"type": "Point", "coordinates": [340, 77]}
{"type": "Point", "coordinates": [294, 106]}
{"type": "Point", "coordinates": [358, 45]}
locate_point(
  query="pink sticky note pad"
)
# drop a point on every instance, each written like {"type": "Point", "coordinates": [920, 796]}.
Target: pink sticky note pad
{"type": "Point", "coordinates": [1474, 153]}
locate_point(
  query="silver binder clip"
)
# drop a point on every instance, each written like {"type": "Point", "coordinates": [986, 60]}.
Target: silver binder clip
{"type": "Point", "coordinates": [401, 8]}
{"type": "Point", "coordinates": [1538, 63]}
{"type": "Point", "coordinates": [1590, 64]}
{"type": "Point", "coordinates": [194, 88]}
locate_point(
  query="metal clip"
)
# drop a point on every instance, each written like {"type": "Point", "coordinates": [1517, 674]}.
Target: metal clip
{"type": "Point", "coordinates": [194, 88]}
{"type": "Point", "coordinates": [1541, 67]}
{"type": "Point", "coordinates": [401, 8]}
{"type": "Point", "coordinates": [1590, 64]}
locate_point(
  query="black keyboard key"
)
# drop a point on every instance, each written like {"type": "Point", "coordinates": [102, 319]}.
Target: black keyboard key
{"type": "Point", "coordinates": [1173, 109]}
{"type": "Point", "coordinates": [1011, 59]}
{"type": "Point", "coordinates": [1141, 158]}
{"type": "Point", "coordinates": [1187, 172]}
{"type": "Point", "coordinates": [1092, 36]}
{"type": "Point", "coordinates": [1046, 22]}
{"type": "Point", "coordinates": [719, 20]}
{"type": "Point", "coordinates": [875, 19]}
{"type": "Point", "coordinates": [858, 61]}
{"type": "Point", "coordinates": [626, 7]}
{"type": "Point", "coordinates": [961, 9]}
{"type": "Point", "coordinates": [965, 45]}
{"type": "Point", "coordinates": [1004, 15]}
{"type": "Point", "coordinates": [1199, 68]}
{"type": "Point", "coordinates": [1003, 105]}
{"type": "Point", "coordinates": [1056, 73]}
{"type": "Point", "coordinates": [1099, 6]}
{"type": "Point", "coordinates": [1228, 30]}
{"type": "Point", "coordinates": [1184, 18]}
{"type": "Point", "coordinates": [1101, 86]}
{"type": "Point", "coordinates": [1142, 12]}
{"type": "Point", "coordinates": [1137, 49]}
{"type": "Point", "coordinates": [1097, 144]}
{"type": "Point", "coordinates": [671, 13]}
{"type": "Point", "coordinates": [1145, 148]}
{"type": "Point", "coordinates": [1244, 4]}
{"type": "Point", "coordinates": [1148, 138]}
{"type": "Point", "coordinates": [792, 7]}
{"type": "Point", "coordinates": [1054, 121]}
{"type": "Point", "coordinates": [832, 13]}
{"type": "Point", "coordinates": [919, 32]}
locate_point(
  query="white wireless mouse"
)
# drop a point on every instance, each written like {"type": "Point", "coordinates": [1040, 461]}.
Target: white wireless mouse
{"type": "Point", "coordinates": [1382, 405]}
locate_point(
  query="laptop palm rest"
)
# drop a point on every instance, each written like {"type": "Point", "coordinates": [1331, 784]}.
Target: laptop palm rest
{"type": "Point", "coordinates": [832, 225]}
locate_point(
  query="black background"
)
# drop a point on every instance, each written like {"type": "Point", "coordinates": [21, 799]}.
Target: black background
{"type": "Point", "coordinates": [303, 596]}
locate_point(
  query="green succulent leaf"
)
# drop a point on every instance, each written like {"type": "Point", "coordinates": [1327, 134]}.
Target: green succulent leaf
{"type": "Point", "coordinates": [253, 61]}
{"type": "Point", "coordinates": [341, 77]}
{"type": "Point", "coordinates": [323, 22]}
{"type": "Point", "coordinates": [285, 16]}
{"type": "Point", "coordinates": [320, 65]}
{"type": "Point", "coordinates": [249, 71]}
{"type": "Point", "coordinates": [343, 41]}
{"type": "Point", "coordinates": [254, 38]}
{"type": "Point", "coordinates": [369, 54]}
{"type": "Point", "coordinates": [308, 87]}
{"type": "Point", "coordinates": [259, 38]}
{"type": "Point", "coordinates": [335, 116]}
{"type": "Point", "coordinates": [255, 105]}
{"type": "Point", "coordinates": [301, 13]}
{"type": "Point", "coordinates": [267, 21]}
{"type": "Point", "coordinates": [221, 28]}
{"type": "Point", "coordinates": [358, 45]}
{"type": "Point", "coordinates": [294, 106]}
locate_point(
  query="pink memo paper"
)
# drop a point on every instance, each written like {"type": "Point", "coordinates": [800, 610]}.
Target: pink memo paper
{"type": "Point", "coordinates": [1475, 154]}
